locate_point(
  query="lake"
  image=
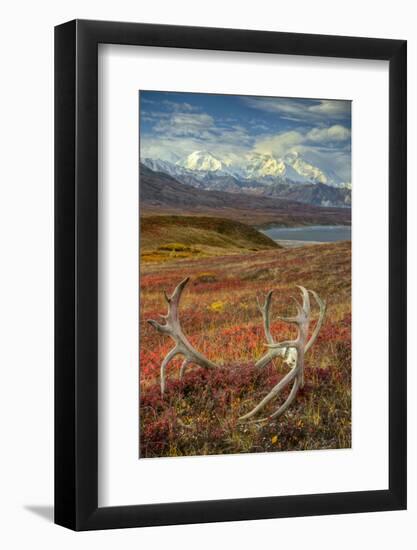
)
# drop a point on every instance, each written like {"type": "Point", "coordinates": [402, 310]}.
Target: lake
{"type": "Point", "coordinates": [312, 233]}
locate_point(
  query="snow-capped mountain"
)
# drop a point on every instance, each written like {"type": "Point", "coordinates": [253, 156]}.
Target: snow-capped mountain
{"type": "Point", "coordinates": [260, 174]}
{"type": "Point", "coordinates": [305, 169]}
{"type": "Point", "coordinates": [201, 161]}
{"type": "Point", "coordinates": [291, 168]}
{"type": "Point", "coordinates": [165, 166]}
{"type": "Point", "coordinates": [259, 166]}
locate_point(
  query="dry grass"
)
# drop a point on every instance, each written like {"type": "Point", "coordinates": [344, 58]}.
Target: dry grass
{"type": "Point", "coordinates": [166, 238]}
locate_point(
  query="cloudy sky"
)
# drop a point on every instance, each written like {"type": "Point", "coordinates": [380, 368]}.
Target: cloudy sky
{"type": "Point", "coordinates": [173, 125]}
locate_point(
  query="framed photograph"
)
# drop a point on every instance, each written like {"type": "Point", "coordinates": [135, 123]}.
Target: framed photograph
{"type": "Point", "coordinates": [230, 252]}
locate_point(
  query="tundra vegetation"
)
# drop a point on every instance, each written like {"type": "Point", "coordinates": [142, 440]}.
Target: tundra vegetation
{"type": "Point", "coordinates": [230, 265]}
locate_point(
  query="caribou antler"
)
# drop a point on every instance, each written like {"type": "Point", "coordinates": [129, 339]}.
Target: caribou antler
{"type": "Point", "coordinates": [265, 310]}
{"type": "Point", "coordinates": [172, 328]}
{"type": "Point", "coordinates": [293, 351]}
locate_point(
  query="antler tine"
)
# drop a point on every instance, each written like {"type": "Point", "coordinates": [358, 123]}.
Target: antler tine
{"type": "Point", "coordinates": [323, 306]}
{"type": "Point", "coordinates": [173, 303]}
{"type": "Point", "coordinates": [306, 300]}
{"type": "Point", "coordinates": [182, 368]}
{"type": "Point", "coordinates": [294, 319]}
{"type": "Point", "coordinates": [275, 350]}
{"type": "Point", "coordinates": [168, 357]}
{"type": "Point", "coordinates": [158, 326]}
{"type": "Point", "coordinates": [281, 345]}
{"type": "Point", "coordinates": [265, 310]}
{"type": "Point", "coordinates": [281, 410]}
{"type": "Point", "coordinates": [297, 304]}
{"type": "Point", "coordinates": [172, 327]}
{"type": "Point", "coordinates": [275, 391]}
{"type": "Point", "coordinates": [174, 300]}
{"type": "Point", "coordinates": [176, 295]}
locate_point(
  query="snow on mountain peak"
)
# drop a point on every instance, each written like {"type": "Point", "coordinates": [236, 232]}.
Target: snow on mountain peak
{"type": "Point", "coordinates": [292, 168]}
{"type": "Point", "coordinates": [201, 161]}
{"type": "Point", "coordinates": [262, 165]}
{"type": "Point", "coordinates": [305, 169]}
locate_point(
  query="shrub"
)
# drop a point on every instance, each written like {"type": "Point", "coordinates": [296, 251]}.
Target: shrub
{"type": "Point", "coordinates": [175, 247]}
{"type": "Point", "coordinates": [207, 277]}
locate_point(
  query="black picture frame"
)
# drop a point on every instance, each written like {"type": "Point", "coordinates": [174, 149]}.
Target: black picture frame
{"type": "Point", "coordinates": [76, 272]}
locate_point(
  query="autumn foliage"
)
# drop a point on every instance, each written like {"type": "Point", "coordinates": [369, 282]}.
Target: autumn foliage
{"type": "Point", "coordinates": [199, 414]}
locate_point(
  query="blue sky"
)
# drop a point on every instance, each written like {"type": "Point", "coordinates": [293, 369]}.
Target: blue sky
{"type": "Point", "coordinates": [174, 124]}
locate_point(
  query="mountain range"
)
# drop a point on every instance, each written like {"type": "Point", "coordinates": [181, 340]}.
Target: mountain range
{"type": "Point", "coordinates": [163, 194]}
{"type": "Point", "coordinates": [291, 177]}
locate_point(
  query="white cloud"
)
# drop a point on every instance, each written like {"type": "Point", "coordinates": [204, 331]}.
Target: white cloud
{"type": "Point", "coordinates": [302, 111]}
{"type": "Point", "coordinates": [169, 148]}
{"type": "Point", "coordinates": [181, 107]}
{"type": "Point", "coordinates": [177, 133]}
{"type": "Point", "coordinates": [331, 107]}
{"type": "Point", "coordinates": [279, 144]}
{"type": "Point", "coordinates": [181, 133]}
{"type": "Point", "coordinates": [332, 160]}
{"type": "Point", "coordinates": [185, 124]}
{"type": "Point", "coordinates": [333, 133]}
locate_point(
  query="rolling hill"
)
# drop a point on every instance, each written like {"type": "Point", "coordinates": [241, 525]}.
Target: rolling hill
{"type": "Point", "coordinates": [164, 238]}
{"type": "Point", "coordinates": [316, 194]}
